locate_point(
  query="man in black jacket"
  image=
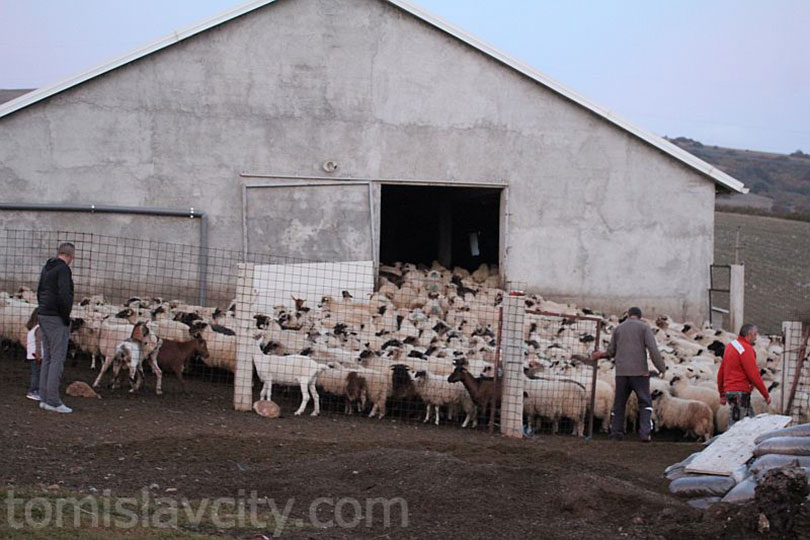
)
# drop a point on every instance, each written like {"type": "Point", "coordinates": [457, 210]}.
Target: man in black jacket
{"type": "Point", "coordinates": [55, 297]}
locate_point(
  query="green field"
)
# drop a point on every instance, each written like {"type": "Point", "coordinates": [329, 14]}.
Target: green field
{"type": "Point", "coordinates": [776, 254]}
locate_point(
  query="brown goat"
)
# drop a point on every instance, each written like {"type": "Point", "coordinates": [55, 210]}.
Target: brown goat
{"type": "Point", "coordinates": [484, 391]}
{"type": "Point", "coordinates": [174, 355]}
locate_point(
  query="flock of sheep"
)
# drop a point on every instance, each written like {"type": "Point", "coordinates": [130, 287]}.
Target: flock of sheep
{"type": "Point", "coordinates": [427, 334]}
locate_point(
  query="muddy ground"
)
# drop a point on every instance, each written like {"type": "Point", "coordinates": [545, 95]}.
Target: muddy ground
{"type": "Point", "coordinates": [456, 483]}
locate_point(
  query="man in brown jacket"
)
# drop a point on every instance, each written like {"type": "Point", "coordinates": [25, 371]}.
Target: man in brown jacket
{"type": "Point", "coordinates": [629, 345]}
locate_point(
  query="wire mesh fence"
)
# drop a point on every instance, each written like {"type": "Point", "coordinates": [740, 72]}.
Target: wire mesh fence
{"type": "Point", "coordinates": [286, 336]}
{"type": "Point", "coordinates": [381, 344]}
{"type": "Point", "coordinates": [560, 391]}
{"type": "Point", "coordinates": [342, 344]}
{"type": "Point", "coordinates": [795, 383]}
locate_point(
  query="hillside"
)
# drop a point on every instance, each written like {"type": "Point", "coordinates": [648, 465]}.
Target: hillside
{"type": "Point", "coordinates": [785, 179]}
{"type": "Point", "coordinates": [776, 254]}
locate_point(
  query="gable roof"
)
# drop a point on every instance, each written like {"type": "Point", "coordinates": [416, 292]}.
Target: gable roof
{"type": "Point", "coordinates": [718, 176]}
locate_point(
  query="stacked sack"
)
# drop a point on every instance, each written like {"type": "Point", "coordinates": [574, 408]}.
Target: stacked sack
{"type": "Point", "coordinates": [787, 448]}
{"type": "Point", "coordinates": [702, 490]}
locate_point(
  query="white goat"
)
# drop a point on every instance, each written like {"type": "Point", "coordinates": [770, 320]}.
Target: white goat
{"type": "Point", "coordinates": [290, 371]}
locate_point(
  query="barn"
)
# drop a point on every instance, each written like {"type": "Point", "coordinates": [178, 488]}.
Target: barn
{"type": "Point", "coordinates": [367, 130]}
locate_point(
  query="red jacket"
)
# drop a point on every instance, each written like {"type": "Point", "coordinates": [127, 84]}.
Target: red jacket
{"type": "Point", "coordinates": [739, 372]}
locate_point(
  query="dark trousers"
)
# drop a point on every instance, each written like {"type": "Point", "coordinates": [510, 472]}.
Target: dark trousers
{"type": "Point", "coordinates": [55, 336]}
{"type": "Point", "coordinates": [740, 403]}
{"type": "Point", "coordinates": [33, 387]}
{"type": "Point", "coordinates": [641, 386]}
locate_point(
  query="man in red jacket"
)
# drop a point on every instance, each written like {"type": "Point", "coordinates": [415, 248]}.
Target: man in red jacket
{"type": "Point", "coordinates": [738, 374]}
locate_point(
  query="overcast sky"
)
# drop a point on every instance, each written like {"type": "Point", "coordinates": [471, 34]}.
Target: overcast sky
{"type": "Point", "coordinates": [727, 72]}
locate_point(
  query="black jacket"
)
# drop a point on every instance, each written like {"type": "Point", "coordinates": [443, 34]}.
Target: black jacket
{"type": "Point", "coordinates": [55, 290]}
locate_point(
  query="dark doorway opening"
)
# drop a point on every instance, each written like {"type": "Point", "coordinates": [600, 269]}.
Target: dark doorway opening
{"type": "Point", "coordinates": [455, 226]}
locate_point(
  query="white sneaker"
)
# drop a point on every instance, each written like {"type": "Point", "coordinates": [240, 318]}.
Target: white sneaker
{"type": "Point", "coordinates": [43, 405]}
{"type": "Point", "coordinates": [63, 409]}
{"type": "Point", "coordinates": [33, 395]}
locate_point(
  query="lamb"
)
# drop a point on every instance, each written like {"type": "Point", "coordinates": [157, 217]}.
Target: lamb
{"type": "Point", "coordinates": [349, 383]}
{"type": "Point", "coordinates": [694, 417]}
{"type": "Point", "coordinates": [436, 391]}
{"type": "Point", "coordinates": [682, 389]}
{"type": "Point", "coordinates": [289, 370]}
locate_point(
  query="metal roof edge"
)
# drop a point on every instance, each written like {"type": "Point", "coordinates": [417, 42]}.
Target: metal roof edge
{"type": "Point", "coordinates": [161, 43]}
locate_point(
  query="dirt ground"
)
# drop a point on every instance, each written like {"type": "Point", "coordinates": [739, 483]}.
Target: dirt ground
{"type": "Point", "coordinates": [456, 483]}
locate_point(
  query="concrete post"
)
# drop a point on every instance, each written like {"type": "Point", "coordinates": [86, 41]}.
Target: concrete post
{"type": "Point", "coordinates": [792, 338]}
{"type": "Point", "coordinates": [514, 312]}
{"type": "Point", "coordinates": [245, 344]}
{"type": "Point", "coordinates": [736, 302]}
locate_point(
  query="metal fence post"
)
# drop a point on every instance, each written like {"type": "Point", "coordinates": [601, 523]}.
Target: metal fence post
{"type": "Point", "coordinates": [512, 397]}
{"type": "Point", "coordinates": [243, 376]}
{"type": "Point", "coordinates": [594, 373]}
{"type": "Point", "coordinates": [792, 357]}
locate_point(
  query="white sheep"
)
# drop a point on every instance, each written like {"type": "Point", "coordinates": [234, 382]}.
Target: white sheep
{"type": "Point", "coordinates": [694, 417]}
{"type": "Point", "coordinates": [378, 382]}
{"type": "Point", "coordinates": [603, 402]}
{"type": "Point", "coordinates": [349, 383]}
{"type": "Point", "coordinates": [221, 347]}
{"type": "Point", "coordinates": [171, 330]}
{"type": "Point", "coordinates": [683, 389]}
{"type": "Point", "coordinates": [13, 316]}
{"type": "Point", "coordinates": [86, 334]}
{"type": "Point", "coordinates": [436, 391]}
{"type": "Point", "coordinates": [285, 341]}
{"type": "Point", "coordinates": [553, 399]}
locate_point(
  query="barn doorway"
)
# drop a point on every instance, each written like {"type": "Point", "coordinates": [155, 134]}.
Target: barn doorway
{"type": "Point", "coordinates": [457, 226]}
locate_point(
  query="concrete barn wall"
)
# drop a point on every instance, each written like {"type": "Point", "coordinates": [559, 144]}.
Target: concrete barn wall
{"type": "Point", "coordinates": [595, 215]}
